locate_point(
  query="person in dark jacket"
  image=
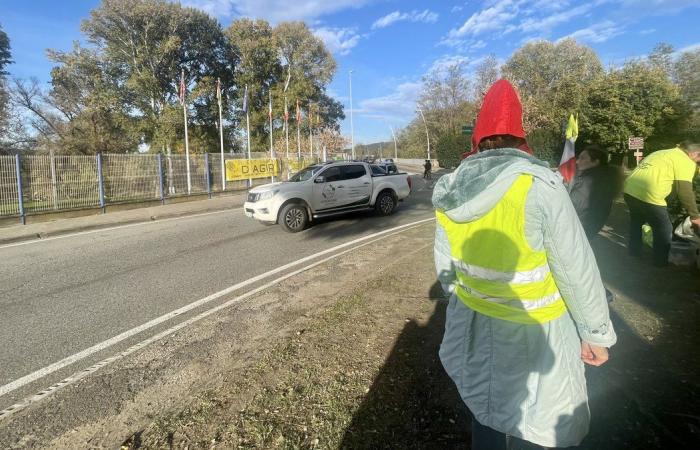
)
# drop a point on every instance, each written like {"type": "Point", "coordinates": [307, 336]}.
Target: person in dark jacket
{"type": "Point", "coordinates": [594, 188]}
{"type": "Point", "coordinates": [428, 166]}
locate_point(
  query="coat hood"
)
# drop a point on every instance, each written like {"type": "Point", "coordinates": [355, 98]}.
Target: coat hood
{"type": "Point", "coordinates": [483, 179]}
{"type": "Point", "coordinates": [501, 113]}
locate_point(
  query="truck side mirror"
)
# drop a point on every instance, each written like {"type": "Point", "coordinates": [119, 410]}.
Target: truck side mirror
{"type": "Point", "coordinates": [319, 179]}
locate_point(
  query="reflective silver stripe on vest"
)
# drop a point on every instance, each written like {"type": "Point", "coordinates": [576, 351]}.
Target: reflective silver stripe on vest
{"type": "Point", "coordinates": [522, 277]}
{"type": "Point", "coordinates": [527, 305]}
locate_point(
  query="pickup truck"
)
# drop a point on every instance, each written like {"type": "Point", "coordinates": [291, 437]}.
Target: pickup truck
{"type": "Point", "coordinates": [324, 190]}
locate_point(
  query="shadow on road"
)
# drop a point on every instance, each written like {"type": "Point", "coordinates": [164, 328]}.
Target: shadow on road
{"type": "Point", "coordinates": [412, 403]}
{"type": "Point", "coordinates": [648, 394]}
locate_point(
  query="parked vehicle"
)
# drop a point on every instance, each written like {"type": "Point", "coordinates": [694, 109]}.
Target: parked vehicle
{"type": "Point", "coordinates": [389, 167]}
{"type": "Point", "coordinates": [324, 190]}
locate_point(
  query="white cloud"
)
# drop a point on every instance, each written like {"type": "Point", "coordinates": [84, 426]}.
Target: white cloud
{"type": "Point", "coordinates": [456, 9]}
{"type": "Point", "coordinates": [689, 48]}
{"type": "Point", "coordinates": [338, 40]}
{"type": "Point", "coordinates": [477, 45]}
{"type": "Point", "coordinates": [648, 31]}
{"type": "Point", "coordinates": [491, 18]}
{"type": "Point", "coordinates": [274, 10]}
{"type": "Point", "coordinates": [545, 24]}
{"type": "Point", "coordinates": [425, 16]}
{"type": "Point", "coordinates": [443, 63]}
{"type": "Point", "coordinates": [400, 104]}
{"type": "Point", "coordinates": [600, 32]}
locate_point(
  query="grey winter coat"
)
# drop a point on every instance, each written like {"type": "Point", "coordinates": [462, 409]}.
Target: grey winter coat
{"type": "Point", "coordinates": [523, 380]}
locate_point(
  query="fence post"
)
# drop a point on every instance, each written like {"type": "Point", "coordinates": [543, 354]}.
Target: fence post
{"type": "Point", "coordinates": [20, 195]}
{"type": "Point", "coordinates": [206, 167]}
{"type": "Point", "coordinates": [159, 160]}
{"type": "Point", "coordinates": [100, 182]}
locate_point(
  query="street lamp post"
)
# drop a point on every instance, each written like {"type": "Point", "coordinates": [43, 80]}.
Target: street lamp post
{"type": "Point", "coordinates": [352, 129]}
{"type": "Point", "coordinates": [396, 150]}
{"type": "Point", "coordinates": [427, 135]}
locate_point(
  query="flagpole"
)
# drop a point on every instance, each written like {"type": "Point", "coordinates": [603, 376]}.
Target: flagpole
{"type": "Point", "coordinates": [298, 133]}
{"type": "Point", "coordinates": [187, 142]}
{"type": "Point", "coordinates": [247, 125]}
{"type": "Point", "coordinates": [221, 136]}
{"type": "Point", "coordinates": [286, 126]}
{"type": "Point", "coordinates": [311, 139]}
{"type": "Point", "coordinates": [272, 149]}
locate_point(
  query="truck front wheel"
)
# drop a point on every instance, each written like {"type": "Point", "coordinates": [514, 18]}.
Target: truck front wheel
{"type": "Point", "coordinates": [293, 218]}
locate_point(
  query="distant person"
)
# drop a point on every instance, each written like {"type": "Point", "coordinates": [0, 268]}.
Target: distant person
{"type": "Point", "coordinates": [594, 188]}
{"type": "Point", "coordinates": [527, 306]}
{"type": "Point", "coordinates": [428, 167]}
{"type": "Point", "coordinates": [646, 190]}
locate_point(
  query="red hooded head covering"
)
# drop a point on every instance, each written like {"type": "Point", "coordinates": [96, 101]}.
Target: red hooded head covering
{"type": "Point", "coordinates": [501, 113]}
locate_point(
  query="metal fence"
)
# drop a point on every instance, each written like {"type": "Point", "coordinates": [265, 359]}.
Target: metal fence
{"type": "Point", "coordinates": [41, 183]}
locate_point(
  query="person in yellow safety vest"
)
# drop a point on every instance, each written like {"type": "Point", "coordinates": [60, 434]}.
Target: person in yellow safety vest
{"type": "Point", "coordinates": [646, 190]}
{"type": "Point", "coordinates": [527, 305]}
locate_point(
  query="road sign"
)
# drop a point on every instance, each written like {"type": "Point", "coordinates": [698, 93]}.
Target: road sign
{"type": "Point", "coordinates": [635, 143]}
{"type": "Point", "coordinates": [467, 129]}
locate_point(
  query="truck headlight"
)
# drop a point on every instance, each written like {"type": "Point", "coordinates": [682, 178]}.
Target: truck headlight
{"type": "Point", "coordinates": [267, 195]}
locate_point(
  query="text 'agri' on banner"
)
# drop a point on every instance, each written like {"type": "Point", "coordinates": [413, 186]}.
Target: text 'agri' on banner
{"type": "Point", "coordinates": [243, 169]}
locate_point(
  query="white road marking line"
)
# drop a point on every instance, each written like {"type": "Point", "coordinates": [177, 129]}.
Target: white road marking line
{"type": "Point", "coordinates": [7, 412]}
{"type": "Point", "coordinates": [16, 384]}
{"type": "Point", "coordinates": [99, 230]}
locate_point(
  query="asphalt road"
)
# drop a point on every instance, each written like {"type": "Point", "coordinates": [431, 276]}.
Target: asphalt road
{"type": "Point", "coordinates": [60, 297]}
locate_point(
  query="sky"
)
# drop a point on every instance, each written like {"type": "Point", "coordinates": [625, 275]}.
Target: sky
{"type": "Point", "coordinates": [389, 45]}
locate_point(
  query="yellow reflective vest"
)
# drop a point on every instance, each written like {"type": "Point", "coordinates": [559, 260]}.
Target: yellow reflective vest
{"type": "Point", "coordinates": [498, 273]}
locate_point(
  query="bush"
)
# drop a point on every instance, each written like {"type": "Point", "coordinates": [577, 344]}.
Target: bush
{"type": "Point", "coordinates": [449, 149]}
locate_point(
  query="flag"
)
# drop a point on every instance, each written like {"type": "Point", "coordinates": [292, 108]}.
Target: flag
{"type": "Point", "coordinates": [269, 111]}
{"type": "Point", "coordinates": [286, 112]}
{"type": "Point", "coordinates": [245, 100]}
{"type": "Point", "coordinates": [183, 89]}
{"type": "Point", "coordinates": [218, 91]}
{"type": "Point", "coordinates": [567, 166]}
{"type": "Point", "coordinates": [298, 112]}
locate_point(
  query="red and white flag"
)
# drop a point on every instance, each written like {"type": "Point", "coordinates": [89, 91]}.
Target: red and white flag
{"type": "Point", "coordinates": [567, 166]}
{"type": "Point", "coordinates": [183, 89]}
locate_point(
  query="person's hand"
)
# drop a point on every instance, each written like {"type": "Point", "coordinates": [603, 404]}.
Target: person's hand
{"type": "Point", "coordinates": [695, 223]}
{"type": "Point", "coordinates": [593, 355]}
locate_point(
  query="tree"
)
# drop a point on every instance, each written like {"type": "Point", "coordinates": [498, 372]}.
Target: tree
{"type": "Point", "coordinates": [632, 101]}
{"type": "Point", "coordinates": [686, 73]}
{"type": "Point", "coordinates": [445, 99]}
{"type": "Point", "coordinates": [449, 149]}
{"type": "Point", "coordinates": [259, 69]}
{"type": "Point", "coordinates": [307, 69]}
{"type": "Point", "coordinates": [486, 74]}
{"type": "Point", "coordinates": [5, 56]}
{"type": "Point", "coordinates": [661, 57]}
{"type": "Point", "coordinates": [332, 140]}
{"type": "Point", "coordinates": [552, 79]}
{"type": "Point", "coordinates": [141, 46]}
{"type": "Point", "coordinates": [97, 120]}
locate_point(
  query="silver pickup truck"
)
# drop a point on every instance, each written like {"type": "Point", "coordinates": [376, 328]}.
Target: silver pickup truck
{"type": "Point", "coordinates": [326, 189]}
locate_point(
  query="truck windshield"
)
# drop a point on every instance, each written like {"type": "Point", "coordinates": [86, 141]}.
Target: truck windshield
{"type": "Point", "coordinates": [306, 173]}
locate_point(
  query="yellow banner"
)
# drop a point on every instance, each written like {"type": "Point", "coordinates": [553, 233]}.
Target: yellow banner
{"type": "Point", "coordinates": [242, 169]}
{"type": "Point", "coordinates": [296, 165]}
